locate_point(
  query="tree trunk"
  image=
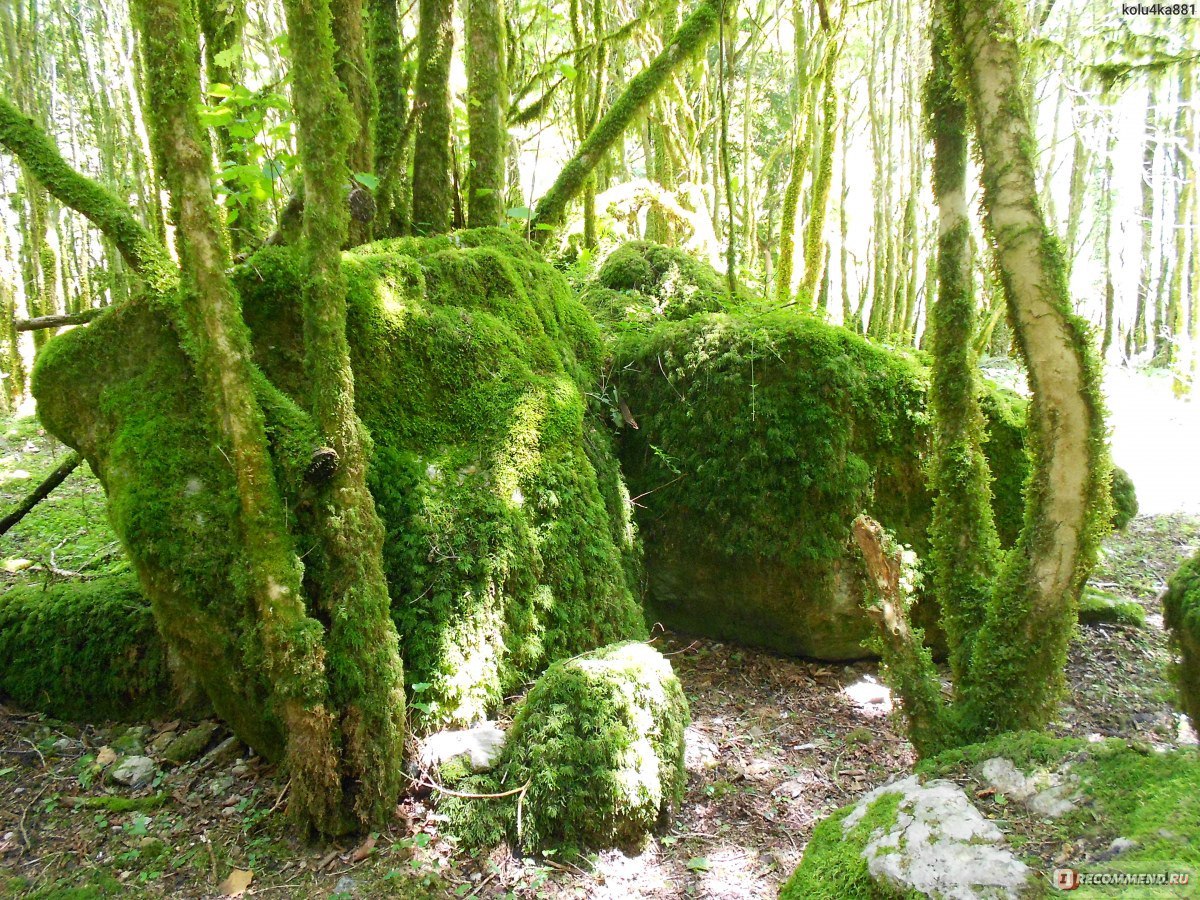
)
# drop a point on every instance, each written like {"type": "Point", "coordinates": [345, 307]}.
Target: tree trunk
{"type": "Point", "coordinates": [353, 67]}
{"type": "Point", "coordinates": [391, 122]}
{"type": "Point", "coordinates": [814, 237]}
{"type": "Point", "coordinates": [964, 547]}
{"type": "Point", "coordinates": [1037, 593]}
{"type": "Point", "coordinates": [432, 188]}
{"type": "Point", "coordinates": [487, 111]}
{"type": "Point", "coordinates": [366, 682]}
{"type": "Point", "coordinates": [220, 349]}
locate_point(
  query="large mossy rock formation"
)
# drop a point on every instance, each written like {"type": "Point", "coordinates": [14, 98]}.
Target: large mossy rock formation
{"type": "Point", "coordinates": [508, 540]}
{"type": "Point", "coordinates": [1181, 608]}
{"type": "Point", "coordinates": [85, 651]}
{"type": "Point", "coordinates": [598, 743]}
{"type": "Point", "coordinates": [761, 436]}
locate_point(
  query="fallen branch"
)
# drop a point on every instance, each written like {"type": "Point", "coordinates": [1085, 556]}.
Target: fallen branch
{"type": "Point", "coordinates": [57, 321]}
{"type": "Point", "coordinates": [41, 492]}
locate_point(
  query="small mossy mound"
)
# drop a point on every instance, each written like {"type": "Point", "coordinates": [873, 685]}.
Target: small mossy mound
{"type": "Point", "coordinates": [599, 742]}
{"type": "Point", "coordinates": [509, 542]}
{"type": "Point", "coordinates": [642, 281]}
{"type": "Point", "coordinates": [84, 651]}
{"type": "Point", "coordinates": [1104, 607]}
{"type": "Point", "coordinates": [1124, 496]}
{"type": "Point", "coordinates": [1181, 608]}
{"type": "Point", "coordinates": [761, 436]}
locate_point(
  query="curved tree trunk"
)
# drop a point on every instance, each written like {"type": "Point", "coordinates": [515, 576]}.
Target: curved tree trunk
{"type": "Point", "coordinates": [1035, 601]}
{"type": "Point", "coordinates": [219, 345]}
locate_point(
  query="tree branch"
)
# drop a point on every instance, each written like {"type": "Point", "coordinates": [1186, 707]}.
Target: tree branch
{"type": "Point", "coordinates": [41, 492]}
{"type": "Point", "coordinates": [692, 36]}
{"type": "Point", "coordinates": [22, 137]}
{"type": "Point", "coordinates": [41, 322]}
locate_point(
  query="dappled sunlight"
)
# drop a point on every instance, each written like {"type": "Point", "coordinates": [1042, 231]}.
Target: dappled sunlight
{"type": "Point", "coordinates": [869, 697]}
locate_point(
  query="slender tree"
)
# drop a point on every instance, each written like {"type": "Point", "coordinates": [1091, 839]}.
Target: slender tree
{"type": "Point", "coordinates": [487, 111]}
{"type": "Point", "coordinates": [433, 189]}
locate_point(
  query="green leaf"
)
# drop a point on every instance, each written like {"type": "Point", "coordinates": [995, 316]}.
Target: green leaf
{"type": "Point", "coordinates": [228, 57]}
{"type": "Point", "coordinates": [214, 117]}
{"type": "Point", "coordinates": [698, 864]}
{"type": "Point", "coordinates": [367, 180]}
{"type": "Point", "coordinates": [421, 686]}
{"type": "Point", "coordinates": [219, 90]}
{"type": "Point", "coordinates": [520, 212]}
{"type": "Point", "coordinates": [569, 72]}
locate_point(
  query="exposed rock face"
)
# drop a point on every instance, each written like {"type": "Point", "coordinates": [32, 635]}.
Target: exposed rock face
{"type": "Point", "coordinates": [915, 839]}
{"type": "Point", "coordinates": [939, 844]}
{"type": "Point", "coordinates": [1046, 794]}
{"type": "Point", "coordinates": [478, 748]}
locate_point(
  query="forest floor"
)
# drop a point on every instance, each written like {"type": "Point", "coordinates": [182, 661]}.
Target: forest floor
{"type": "Point", "coordinates": [775, 745]}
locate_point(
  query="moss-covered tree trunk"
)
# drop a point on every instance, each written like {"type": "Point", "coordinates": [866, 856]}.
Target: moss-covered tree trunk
{"type": "Point", "coordinates": [487, 102]}
{"type": "Point", "coordinates": [366, 682]}
{"type": "Point", "coordinates": [392, 80]}
{"type": "Point", "coordinates": [1020, 651]}
{"type": "Point", "coordinates": [964, 548]}
{"type": "Point", "coordinates": [218, 343]}
{"type": "Point", "coordinates": [801, 148]}
{"type": "Point", "coordinates": [353, 66]}
{"type": "Point", "coordinates": [814, 237]}
{"type": "Point", "coordinates": [691, 37]}
{"type": "Point", "coordinates": [432, 188]}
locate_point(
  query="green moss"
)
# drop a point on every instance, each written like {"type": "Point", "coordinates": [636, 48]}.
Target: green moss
{"type": "Point", "coordinates": [600, 742]}
{"type": "Point", "coordinates": [1102, 606]}
{"type": "Point", "coordinates": [84, 651]}
{"type": "Point", "coordinates": [1124, 499]}
{"type": "Point", "coordinates": [642, 281]}
{"type": "Point", "coordinates": [1181, 608]}
{"type": "Point", "coordinates": [762, 435]}
{"type": "Point", "coordinates": [1149, 798]}
{"type": "Point", "coordinates": [124, 804]}
{"type": "Point", "coordinates": [833, 866]}
{"type": "Point", "coordinates": [503, 549]}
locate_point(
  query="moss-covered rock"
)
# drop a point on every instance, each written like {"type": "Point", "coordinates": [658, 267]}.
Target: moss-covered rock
{"type": "Point", "coordinates": [1181, 608]}
{"type": "Point", "coordinates": [1146, 800]}
{"type": "Point", "coordinates": [642, 281]}
{"type": "Point", "coordinates": [504, 548]}
{"type": "Point", "coordinates": [761, 436]}
{"type": "Point", "coordinates": [1124, 496]}
{"type": "Point", "coordinates": [1097, 607]}
{"type": "Point", "coordinates": [599, 745]}
{"type": "Point", "coordinates": [85, 651]}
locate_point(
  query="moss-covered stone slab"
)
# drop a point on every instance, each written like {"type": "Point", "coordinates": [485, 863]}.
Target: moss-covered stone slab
{"type": "Point", "coordinates": [85, 651]}
{"type": "Point", "coordinates": [761, 436]}
{"type": "Point", "coordinates": [1097, 607]}
{"type": "Point", "coordinates": [509, 542]}
{"type": "Point", "coordinates": [595, 757]}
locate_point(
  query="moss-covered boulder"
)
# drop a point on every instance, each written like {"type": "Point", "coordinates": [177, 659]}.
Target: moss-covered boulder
{"type": "Point", "coordinates": [641, 281]}
{"type": "Point", "coordinates": [761, 436]}
{"type": "Point", "coordinates": [1124, 496]}
{"type": "Point", "coordinates": [508, 539]}
{"type": "Point", "coordinates": [598, 744]}
{"type": "Point", "coordinates": [85, 651]}
{"type": "Point", "coordinates": [1181, 608]}
{"type": "Point", "coordinates": [1130, 810]}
